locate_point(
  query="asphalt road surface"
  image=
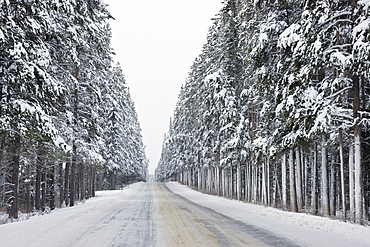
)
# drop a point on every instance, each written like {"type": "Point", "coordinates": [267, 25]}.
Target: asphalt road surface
{"type": "Point", "coordinates": [184, 223]}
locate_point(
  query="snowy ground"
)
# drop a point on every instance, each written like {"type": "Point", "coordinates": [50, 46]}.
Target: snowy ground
{"type": "Point", "coordinates": [305, 229]}
{"type": "Point", "coordinates": [100, 221]}
{"type": "Point", "coordinates": [147, 214]}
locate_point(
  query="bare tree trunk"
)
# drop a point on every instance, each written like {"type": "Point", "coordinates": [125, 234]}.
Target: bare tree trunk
{"type": "Point", "coordinates": [205, 174]}
{"type": "Point", "coordinates": [332, 189]}
{"type": "Point", "coordinates": [264, 192]}
{"type": "Point", "coordinates": [293, 197]}
{"type": "Point", "coordinates": [193, 176]}
{"type": "Point", "coordinates": [217, 179]}
{"type": "Point", "coordinates": [227, 182]}
{"type": "Point", "coordinates": [13, 211]}
{"type": "Point", "coordinates": [324, 178]}
{"type": "Point", "coordinates": [43, 188]}
{"type": "Point", "coordinates": [189, 172]}
{"type": "Point", "coordinates": [238, 182]}
{"type": "Point", "coordinates": [88, 176]}
{"type": "Point", "coordinates": [199, 178]}
{"type": "Point", "coordinates": [66, 183]}
{"type": "Point", "coordinates": [357, 138]}
{"type": "Point", "coordinates": [248, 182]}
{"type": "Point", "coordinates": [254, 184]}
{"type": "Point", "coordinates": [358, 155]}
{"type": "Point", "coordinates": [210, 179]}
{"type": "Point", "coordinates": [2, 143]}
{"type": "Point", "coordinates": [93, 181]}
{"type": "Point", "coordinates": [358, 179]}
{"type": "Point", "coordinates": [284, 181]}
{"type": "Point", "coordinates": [74, 147]}
{"type": "Point", "coordinates": [314, 206]}
{"type": "Point", "coordinates": [307, 163]}
{"type": "Point", "coordinates": [298, 180]}
{"type": "Point", "coordinates": [52, 188]}
{"type": "Point", "coordinates": [268, 182]}
{"type": "Point", "coordinates": [60, 184]}
{"type": "Point", "coordinates": [38, 183]}
{"type": "Point", "coordinates": [82, 182]}
{"type": "Point", "coordinates": [72, 184]}
{"type": "Point", "coordinates": [222, 182]}
{"type": "Point", "coordinates": [231, 182]}
{"type": "Point", "coordinates": [275, 187]}
{"type": "Point", "coordinates": [342, 181]}
{"type": "Point", "coordinates": [351, 183]}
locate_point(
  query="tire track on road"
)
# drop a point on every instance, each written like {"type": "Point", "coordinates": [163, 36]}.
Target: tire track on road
{"type": "Point", "coordinates": [214, 228]}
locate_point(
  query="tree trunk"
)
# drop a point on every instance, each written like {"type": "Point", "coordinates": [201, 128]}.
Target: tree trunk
{"type": "Point", "coordinates": [275, 187]}
{"type": "Point", "coordinates": [268, 182]}
{"type": "Point", "coordinates": [217, 180]}
{"type": "Point", "coordinates": [199, 178]}
{"type": "Point", "coordinates": [93, 182]}
{"type": "Point", "coordinates": [38, 183]}
{"type": "Point", "coordinates": [359, 210]}
{"type": "Point", "coordinates": [342, 181]}
{"type": "Point", "coordinates": [74, 147]}
{"type": "Point", "coordinates": [231, 182]}
{"type": "Point", "coordinates": [324, 178]}
{"type": "Point", "coordinates": [238, 182]}
{"type": "Point", "coordinates": [264, 192]}
{"type": "Point", "coordinates": [2, 144]}
{"type": "Point", "coordinates": [293, 198]}
{"type": "Point", "coordinates": [358, 179]}
{"type": "Point", "coordinates": [60, 184]}
{"type": "Point", "coordinates": [13, 211]}
{"type": "Point", "coordinates": [351, 183]}
{"type": "Point", "coordinates": [52, 188]}
{"type": "Point", "coordinates": [284, 182]}
{"type": "Point", "coordinates": [43, 188]}
{"type": "Point", "coordinates": [248, 182]}
{"type": "Point", "coordinates": [88, 174]}
{"type": "Point", "coordinates": [358, 155]}
{"type": "Point", "coordinates": [210, 179]}
{"type": "Point", "coordinates": [254, 184]}
{"type": "Point", "coordinates": [314, 206]}
{"type": "Point", "coordinates": [305, 190]}
{"type": "Point", "coordinates": [332, 189]}
{"type": "Point", "coordinates": [298, 180]}
{"type": "Point", "coordinates": [223, 190]}
{"type": "Point", "coordinates": [193, 176]}
{"type": "Point", "coordinates": [66, 183]}
{"type": "Point", "coordinates": [72, 185]}
{"type": "Point", "coordinates": [82, 182]}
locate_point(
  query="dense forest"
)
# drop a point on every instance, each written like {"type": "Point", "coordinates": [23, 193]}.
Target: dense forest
{"type": "Point", "coordinates": [68, 125]}
{"type": "Point", "coordinates": [276, 108]}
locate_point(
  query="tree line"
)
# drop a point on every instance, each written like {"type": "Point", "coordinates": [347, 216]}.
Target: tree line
{"type": "Point", "coordinates": [68, 125]}
{"type": "Point", "coordinates": [275, 109]}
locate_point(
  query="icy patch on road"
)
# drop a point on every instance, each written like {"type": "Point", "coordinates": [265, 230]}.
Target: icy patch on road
{"type": "Point", "coordinates": [305, 229]}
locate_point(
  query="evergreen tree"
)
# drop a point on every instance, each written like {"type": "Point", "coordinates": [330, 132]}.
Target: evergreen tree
{"type": "Point", "coordinates": [278, 96]}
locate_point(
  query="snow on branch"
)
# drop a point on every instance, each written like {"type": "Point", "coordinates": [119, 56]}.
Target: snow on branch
{"type": "Point", "coordinates": [289, 36]}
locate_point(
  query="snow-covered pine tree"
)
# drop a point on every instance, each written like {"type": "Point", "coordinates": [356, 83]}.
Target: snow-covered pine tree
{"type": "Point", "coordinates": [55, 59]}
{"type": "Point", "coordinates": [28, 90]}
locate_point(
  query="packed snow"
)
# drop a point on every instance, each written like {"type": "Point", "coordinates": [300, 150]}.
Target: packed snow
{"type": "Point", "coordinates": [63, 227]}
{"type": "Point", "coordinates": [304, 229]}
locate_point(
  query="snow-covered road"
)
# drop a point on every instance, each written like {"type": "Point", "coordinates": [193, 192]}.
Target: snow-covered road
{"type": "Point", "coordinates": [184, 223]}
{"type": "Point", "coordinates": [114, 218]}
{"type": "Point", "coordinates": [154, 214]}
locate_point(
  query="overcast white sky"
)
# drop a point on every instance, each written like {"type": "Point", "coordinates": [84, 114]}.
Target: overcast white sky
{"type": "Point", "coordinates": [156, 42]}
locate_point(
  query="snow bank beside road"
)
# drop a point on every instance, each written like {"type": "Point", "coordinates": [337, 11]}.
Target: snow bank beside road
{"type": "Point", "coordinates": [305, 229]}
